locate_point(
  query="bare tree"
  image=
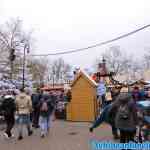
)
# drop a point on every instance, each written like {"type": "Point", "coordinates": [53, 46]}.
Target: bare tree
{"type": "Point", "coordinates": [44, 71]}
{"type": "Point", "coordinates": [122, 64]}
{"type": "Point", "coordinates": [146, 59]}
{"type": "Point", "coordinates": [13, 39]}
{"type": "Point", "coordinates": [59, 70]}
{"type": "Point", "coordinates": [38, 69]}
{"type": "Point", "coordinates": [117, 61]}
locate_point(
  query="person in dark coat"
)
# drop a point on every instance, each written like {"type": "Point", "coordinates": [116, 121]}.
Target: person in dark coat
{"type": "Point", "coordinates": [136, 94]}
{"type": "Point", "coordinates": [126, 117]}
{"type": "Point", "coordinates": [114, 93]}
{"type": "Point", "coordinates": [8, 108]}
{"type": "Point", "coordinates": [46, 109]}
{"type": "Point", "coordinates": [110, 115]}
{"type": "Point", "coordinates": [36, 109]}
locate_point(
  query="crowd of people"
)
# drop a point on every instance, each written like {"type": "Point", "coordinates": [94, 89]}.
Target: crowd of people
{"type": "Point", "coordinates": [36, 110]}
{"type": "Point", "coordinates": [122, 112]}
{"type": "Point", "coordinates": [28, 110]}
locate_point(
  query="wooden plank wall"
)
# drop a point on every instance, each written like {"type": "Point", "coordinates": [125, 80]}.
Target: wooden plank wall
{"type": "Point", "coordinates": [83, 104]}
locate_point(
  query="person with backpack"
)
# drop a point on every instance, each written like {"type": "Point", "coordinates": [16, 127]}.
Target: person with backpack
{"type": "Point", "coordinates": [46, 109]}
{"type": "Point", "coordinates": [126, 117]}
{"type": "Point", "coordinates": [8, 108]}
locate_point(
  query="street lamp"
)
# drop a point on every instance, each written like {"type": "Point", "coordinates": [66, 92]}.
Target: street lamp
{"type": "Point", "coordinates": [26, 47]}
{"type": "Point", "coordinates": [12, 57]}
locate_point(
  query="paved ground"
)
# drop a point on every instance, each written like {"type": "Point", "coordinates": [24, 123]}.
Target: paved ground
{"type": "Point", "coordinates": [63, 136]}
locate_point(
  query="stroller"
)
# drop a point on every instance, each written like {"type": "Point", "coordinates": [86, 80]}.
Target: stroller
{"type": "Point", "coordinates": [144, 121]}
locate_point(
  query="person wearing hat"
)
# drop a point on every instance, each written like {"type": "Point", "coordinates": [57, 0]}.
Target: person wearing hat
{"type": "Point", "coordinates": [8, 107]}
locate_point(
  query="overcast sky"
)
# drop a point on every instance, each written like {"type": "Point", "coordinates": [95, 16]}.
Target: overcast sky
{"type": "Point", "coordinates": [69, 24]}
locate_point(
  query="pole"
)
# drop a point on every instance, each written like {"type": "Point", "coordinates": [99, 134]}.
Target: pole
{"type": "Point", "coordinates": [11, 59]}
{"type": "Point", "coordinates": [11, 69]}
{"type": "Point", "coordinates": [53, 80]}
{"type": "Point", "coordinates": [23, 73]}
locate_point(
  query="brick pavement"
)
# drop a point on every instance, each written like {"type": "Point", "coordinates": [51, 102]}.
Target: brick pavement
{"type": "Point", "coordinates": [63, 136]}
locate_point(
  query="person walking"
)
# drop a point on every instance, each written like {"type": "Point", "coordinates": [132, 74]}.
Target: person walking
{"type": "Point", "coordinates": [115, 91]}
{"type": "Point", "coordinates": [36, 109]}
{"type": "Point", "coordinates": [126, 117]}
{"type": "Point", "coordinates": [8, 108]}
{"type": "Point", "coordinates": [101, 92]}
{"type": "Point", "coordinates": [46, 109]}
{"type": "Point", "coordinates": [24, 108]}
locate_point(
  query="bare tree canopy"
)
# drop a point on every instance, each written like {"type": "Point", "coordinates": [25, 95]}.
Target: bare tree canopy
{"type": "Point", "coordinates": [38, 69]}
{"type": "Point", "coordinates": [117, 61]}
{"type": "Point", "coordinates": [146, 59]}
{"type": "Point", "coordinates": [45, 71]}
{"type": "Point", "coordinates": [13, 37]}
{"type": "Point", "coordinates": [59, 70]}
{"type": "Point", "coordinates": [122, 64]}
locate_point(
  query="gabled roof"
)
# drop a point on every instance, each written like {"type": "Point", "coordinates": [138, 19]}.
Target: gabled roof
{"type": "Point", "coordinates": [86, 76]}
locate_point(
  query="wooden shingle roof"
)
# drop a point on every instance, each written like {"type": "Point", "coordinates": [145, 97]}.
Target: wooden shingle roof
{"type": "Point", "coordinates": [86, 76]}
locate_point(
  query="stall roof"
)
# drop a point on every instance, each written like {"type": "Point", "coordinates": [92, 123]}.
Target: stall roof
{"type": "Point", "coordinates": [53, 87]}
{"type": "Point", "coordinates": [82, 72]}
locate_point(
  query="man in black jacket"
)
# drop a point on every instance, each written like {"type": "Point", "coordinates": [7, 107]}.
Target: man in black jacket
{"type": "Point", "coordinates": [8, 108]}
{"type": "Point", "coordinates": [36, 108]}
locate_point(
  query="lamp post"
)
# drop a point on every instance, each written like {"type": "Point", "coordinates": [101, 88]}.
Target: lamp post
{"type": "Point", "coordinates": [26, 47]}
{"type": "Point", "coordinates": [12, 57]}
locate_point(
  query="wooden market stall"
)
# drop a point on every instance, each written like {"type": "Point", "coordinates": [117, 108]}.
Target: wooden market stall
{"type": "Point", "coordinates": [83, 105]}
{"type": "Point", "coordinates": [53, 87]}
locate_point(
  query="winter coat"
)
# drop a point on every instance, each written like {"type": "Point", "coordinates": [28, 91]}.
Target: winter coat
{"type": "Point", "coordinates": [49, 99]}
{"type": "Point", "coordinates": [8, 106]}
{"type": "Point", "coordinates": [136, 95]}
{"type": "Point", "coordinates": [36, 99]}
{"type": "Point", "coordinates": [23, 103]}
{"type": "Point", "coordinates": [132, 120]}
{"type": "Point", "coordinates": [114, 95]}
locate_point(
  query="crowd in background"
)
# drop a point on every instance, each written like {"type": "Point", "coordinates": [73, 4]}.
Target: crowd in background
{"type": "Point", "coordinates": [37, 110]}
{"type": "Point", "coordinates": [31, 110]}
